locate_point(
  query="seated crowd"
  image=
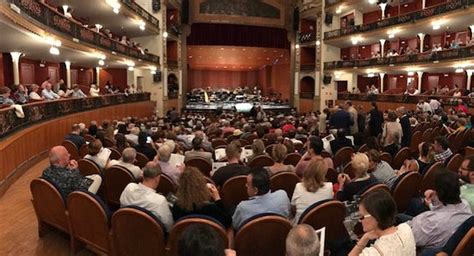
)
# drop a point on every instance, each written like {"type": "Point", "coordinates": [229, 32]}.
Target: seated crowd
{"type": "Point", "coordinates": [427, 226]}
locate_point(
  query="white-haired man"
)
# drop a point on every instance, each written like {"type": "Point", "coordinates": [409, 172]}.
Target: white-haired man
{"type": "Point", "coordinates": [128, 158]}
{"type": "Point", "coordinates": [302, 240]}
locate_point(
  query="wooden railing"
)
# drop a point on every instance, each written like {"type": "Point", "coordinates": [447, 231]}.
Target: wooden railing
{"type": "Point", "coordinates": [400, 98]}
{"type": "Point", "coordinates": [405, 18]}
{"type": "Point", "coordinates": [45, 110]}
{"type": "Point", "coordinates": [130, 4]}
{"type": "Point", "coordinates": [450, 54]}
{"type": "Point", "coordinates": [53, 19]}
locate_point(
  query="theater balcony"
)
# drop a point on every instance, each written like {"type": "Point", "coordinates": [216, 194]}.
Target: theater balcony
{"type": "Point", "coordinates": [33, 15]}
{"type": "Point", "coordinates": [405, 16]}
{"type": "Point", "coordinates": [173, 19]}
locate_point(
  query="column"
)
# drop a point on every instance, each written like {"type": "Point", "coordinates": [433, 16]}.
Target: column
{"type": "Point", "coordinates": [382, 76]}
{"type": "Point", "coordinates": [423, 4]}
{"type": "Point", "coordinates": [382, 7]}
{"type": "Point", "coordinates": [382, 47]}
{"type": "Point", "coordinates": [16, 66]}
{"type": "Point", "coordinates": [420, 80]}
{"type": "Point", "coordinates": [97, 71]}
{"type": "Point", "coordinates": [68, 73]}
{"type": "Point", "coordinates": [469, 77]}
{"type": "Point", "coordinates": [422, 41]}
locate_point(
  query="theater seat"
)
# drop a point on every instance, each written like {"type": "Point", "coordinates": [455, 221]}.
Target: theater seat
{"type": "Point", "coordinates": [136, 231]}
{"type": "Point", "coordinates": [402, 155]}
{"type": "Point", "coordinates": [166, 185]}
{"type": "Point", "coordinates": [88, 167]}
{"type": "Point", "coordinates": [429, 177]}
{"type": "Point", "coordinates": [343, 156]}
{"type": "Point", "coordinates": [261, 161]}
{"type": "Point", "coordinates": [116, 178]}
{"type": "Point", "coordinates": [71, 149]}
{"type": "Point", "coordinates": [234, 191]}
{"type": "Point", "coordinates": [454, 163]}
{"type": "Point", "coordinates": [285, 181]}
{"type": "Point", "coordinates": [89, 219]}
{"type": "Point", "coordinates": [142, 160]}
{"type": "Point", "coordinates": [292, 159]}
{"type": "Point", "coordinates": [114, 154]}
{"type": "Point", "coordinates": [49, 206]}
{"type": "Point", "coordinates": [405, 188]}
{"type": "Point", "coordinates": [263, 235]}
{"type": "Point", "coordinates": [201, 163]}
{"type": "Point", "coordinates": [183, 223]}
{"type": "Point", "coordinates": [375, 187]}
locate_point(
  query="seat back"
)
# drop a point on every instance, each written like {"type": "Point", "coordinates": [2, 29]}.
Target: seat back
{"type": "Point", "coordinates": [427, 134]}
{"type": "Point", "coordinates": [183, 223]}
{"type": "Point", "coordinates": [329, 214]}
{"type": "Point", "coordinates": [218, 142]}
{"type": "Point", "coordinates": [201, 163]}
{"type": "Point", "coordinates": [83, 151]}
{"type": "Point", "coordinates": [261, 161]}
{"type": "Point", "coordinates": [137, 232]}
{"type": "Point", "coordinates": [49, 205]}
{"type": "Point", "coordinates": [166, 185]}
{"type": "Point", "coordinates": [292, 158]}
{"type": "Point", "coordinates": [234, 191]}
{"type": "Point", "coordinates": [115, 154]}
{"type": "Point", "coordinates": [343, 156]}
{"type": "Point", "coordinates": [285, 181]}
{"type": "Point", "coordinates": [416, 139]}
{"type": "Point", "coordinates": [271, 231]}
{"type": "Point", "coordinates": [89, 138]}
{"type": "Point", "coordinates": [269, 149]}
{"type": "Point", "coordinates": [400, 157]}
{"type": "Point", "coordinates": [243, 143]}
{"type": "Point", "coordinates": [469, 151]}
{"type": "Point", "coordinates": [428, 179]}
{"type": "Point", "coordinates": [108, 142]}
{"type": "Point", "coordinates": [454, 163]}
{"type": "Point", "coordinates": [71, 149]}
{"type": "Point", "coordinates": [364, 148]}
{"type": "Point", "coordinates": [116, 179]}
{"type": "Point", "coordinates": [406, 187]}
{"type": "Point", "coordinates": [88, 167]}
{"type": "Point", "coordinates": [89, 220]}
{"type": "Point", "coordinates": [375, 187]}
{"type": "Point", "coordinates": [348, 170]}
{"type": "Point", "coordinates": [331, 175]}
{"type": "Point", "coordinates": [142, 160]}
{"type": "Point", "coordinates": [386, 157]}
{"type": "Point", "coordinates": [251, 138]}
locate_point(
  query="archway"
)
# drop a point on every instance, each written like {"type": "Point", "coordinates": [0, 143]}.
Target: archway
{"type": "Point", "coordinates": [173, 86]}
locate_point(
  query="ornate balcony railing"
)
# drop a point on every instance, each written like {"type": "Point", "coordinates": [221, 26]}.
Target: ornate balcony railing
{"type": "Point", "coordinates": [406, 18]}
{"type": "Point", "coordinates": [44, 110]}
{"type": "Point", "coordinates": [400, 98]}
{"type": "Point", "coordinates": [306, 37]}
{"type": "Point", "coordinates": [451, 54]}
{"type": "Point", "coordinates": [50, 18]}
{"type": "Point", "coordinates": [308, 67]}
{"type": "Point", "coordinates": [306, 95]}
{"type": "Point", "coordinates": [172, 63]}
{"type": "Point", "coordinates": [130, 4]}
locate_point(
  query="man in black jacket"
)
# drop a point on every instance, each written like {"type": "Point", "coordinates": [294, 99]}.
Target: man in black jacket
{"type": "Point", "coordinates": [340, 120]}
{"type": "Point", "coordinates": [406, 127]}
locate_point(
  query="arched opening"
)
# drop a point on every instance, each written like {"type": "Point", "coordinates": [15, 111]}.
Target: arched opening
{"type": "Point", "coordinates": [307, 87]}
{"type": "Point", "coordinates": [173, 86]}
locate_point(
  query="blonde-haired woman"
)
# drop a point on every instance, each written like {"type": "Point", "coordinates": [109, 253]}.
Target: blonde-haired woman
{"type": "Point", "coordinates": [278, 154]}
{"type": "Point", "coordinates": [312, 189]}
{"type": "Point", "coordinates": [362, 180]}
{"type": "Point", "coordinates": [258, 149]}
{"type": "Point", "coordinates": [197, 197]}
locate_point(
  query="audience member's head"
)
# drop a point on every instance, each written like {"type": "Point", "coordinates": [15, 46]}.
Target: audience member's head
{"type": "Point", "coordinates": [302, 240]}
{"type": "Point", "coordinates": [200, 240]}
{"type": "Point", "coordinates": [94, 147]}
{"type": "Point", "coordinates": [258, 147]}
{"type": "Point", "coordinates": [314, 175]}
{"type": "Point", "coordinates": [76, 129]}
{"type": "Point", "coordinates": [142, 138]}
{"type": "Point", "coordinates": [360, 164]}
{"type": "Point", "coordinates": [233, 151]}
{"type": "Point", "coordinates": [377, 211]}
{"type": "Point", "coordinates": [466, 170]}
{"type": "Point", "coordinates": [315, 145]}
{"type": "Point", "coordinates": [164, 153]}
{"type": "Point", "coordinates": [59, 156]}
{"type": "Point", "coordinates": [192, 191]}
{"type": "Point", "coordinates": [197, 143]}
{"type": "Point", "coordinates": [426, 150]}
{"type": "Point", "coordinates": [447, 187]}
{"type": "Point", "coordinates": [5, 91]}
{"type": "Point", "coordinates": [128, 155]}
{"type": "Point", "coordinates": [258, 182]}
{"type": "Point", "coordinates": [279, 153]}
{"type": "Point", "coordinates": [441, 144]}
{"type": "Point", "coordinates": [151, 174]}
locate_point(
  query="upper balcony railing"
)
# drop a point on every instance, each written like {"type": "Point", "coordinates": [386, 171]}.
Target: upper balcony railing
{"type": "Point", "coordinates": [50, 18]}
{"type": "Point", "coordinates": [130, 4]}
{"type": "Point", "coordinates": [306, 37]}
{"type": "Point", "coordinates": [451, 54]}
{"type": "Point", "coordinates": [406, 18]}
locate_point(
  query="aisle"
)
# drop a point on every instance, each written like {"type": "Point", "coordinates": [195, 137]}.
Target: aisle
{"type": "Point", "coordinates": [18, 225]}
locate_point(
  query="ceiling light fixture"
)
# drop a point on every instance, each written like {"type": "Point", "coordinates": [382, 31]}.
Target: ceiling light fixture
{"type": "Point", "coordinates": [165, 34]}
{"type": "Point", "coordinates": [101, 62]}
{"type": "Point", "coordinates": [459, 70]}
{"type": "Point", "coordinates": [141, 24]}
{"type": "Point", "coordinates": [297, 46]}
{"type": "Point", "coordinates": [54, 50]}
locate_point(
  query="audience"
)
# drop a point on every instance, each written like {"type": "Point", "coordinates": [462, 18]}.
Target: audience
{"type": "Point", "coordinates": [198, 151]}
{"type": "Point", "coordinates": [127, 161]}
{"type": "Point", "coordinates": [313, 152]}
{"type": "Point", "coordinates": [197, 197]}
{"type": "Point", "coordinates": [381, 170]}
{"type": "Point", "coordinates": [133, 135]}
{"type": "Point", "coordinates": [98, 154]}
{"type": "Point", "coordinates": [312, 188]}
{"type": "Point", "coordinates": [48, 93]}
{"type": "Point", "coordinates": [64, 174]}
{"type": "Point", "coordinates": [261, 200]}
{"type": "Point", "coordinates": [5, 96]}
{"type": "Point", "coordinates": [233, 168]}
{"type": "Point", "coordinates": [425, 160]}
{"type": "Point", "coordinates": [377, 212]}
{"type": "Point", "coordinates": [466, 173]}
{"type": "Point", "coordinates": [34, 93]}
{"type": "Point", "coordinates": [144, 195]}
{"type": "Point", "coordinates": [340, 141]}
{"type": "Point", "coordinates": [258, 149]}
{"type": "Point", "coordinates": [144, 147]}
{"type": "Point", "coordinates": [163, 159]}
{"type": "Point", "coordinates": [75, 136]}
{"type": "Point", "coordinates": [279, 152]}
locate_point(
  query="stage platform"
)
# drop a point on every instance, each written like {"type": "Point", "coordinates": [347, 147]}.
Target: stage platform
{"type": "Point", "coordinates": [240, 107]}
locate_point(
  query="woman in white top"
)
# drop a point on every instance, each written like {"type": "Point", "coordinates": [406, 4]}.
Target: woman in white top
{"type": "Point", "coordinates": [98, 154]}
{"type": "Point", "coordinates": [312, 189]}
{"type": "Point", "coordinates": [34, 93]}
{"type": "Point", "coordinates": [377, 214]}
{"type": "Point", "coordinates": [94, 91]}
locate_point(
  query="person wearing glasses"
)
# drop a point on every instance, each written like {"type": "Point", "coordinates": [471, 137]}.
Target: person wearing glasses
{"type": "Point", "coordinates": [466, 173]}
{"type": "Point", "coordinates": [377, 212]}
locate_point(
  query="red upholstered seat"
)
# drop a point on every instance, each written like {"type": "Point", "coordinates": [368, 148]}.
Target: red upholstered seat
{"type": "Point", "coordinates": [142, 160]}
{"type": "Point", "coordinates": [234, 191]}
{"type": "Point", "coordinates": [166, 185]}
{"type": "Point", "coordinates": [400, 157]}
{"type": "Point", "coordinates": [343, 156]}
{"type": "Point", "coordinates": [88, 167]}
{"type": "Point", "coordinates": [454, 163]}
{"type": "Point", "coordinates": [429, 177]}
{"type": "Point", "coordinates": [201, 163]}
{"type": "Point", "coordinates": [261, 161]}
{"type": "Point", "coordinates": [406, 187]}
{"type": "Point", "coordinates": [285, 181]}
{"type": "Point", "coordinates": [71, 149]}
{"type": "Point", "coordinates": [116, 178]}
{"type": "Point", "coordinates": [292, 159]}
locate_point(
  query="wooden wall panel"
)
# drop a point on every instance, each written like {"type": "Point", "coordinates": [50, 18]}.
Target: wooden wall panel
{"type": "Point", "coordinates": [19, 148]}
{"type": "Point", "coordinates": [2, 81]}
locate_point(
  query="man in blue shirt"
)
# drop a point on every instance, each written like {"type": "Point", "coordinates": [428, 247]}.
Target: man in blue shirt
{"type": "Point", "coordinates": [261, 199]}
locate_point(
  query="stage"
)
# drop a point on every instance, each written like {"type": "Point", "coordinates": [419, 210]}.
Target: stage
{"type": "Point", "coordinates": [235, 106]}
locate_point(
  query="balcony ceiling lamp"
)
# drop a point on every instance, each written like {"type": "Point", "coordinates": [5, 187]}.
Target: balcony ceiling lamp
{"type": "Point", "coordinates": [165, 34]}
{"type": "Point", "coordinates": [141, 24]}
{"type": "Point", "coordinates": [101, 62]}
{"type": "Point", "coordinates": [53, 42]}
{"type": "Point", "coordinates": [318, 43]}
{"type": "Point", "coordinates": [459, 70]}
{"type": "Point", "coordinates": [54, 50]}
{"type": "Point", "coordinates": [115, 5]}
{"type": "Point", "coordinates": [372, 1]}
{"type": "Point", "coordinates": [355, 40]}
{"type": "Point", "coordinates": [411, 73]}
{"type": "Point", "coordinates": [297, 46]}
{"type": "Point", "coordinates": [437, 24]}
{"type": "Point", "coordinates": [339, 10]}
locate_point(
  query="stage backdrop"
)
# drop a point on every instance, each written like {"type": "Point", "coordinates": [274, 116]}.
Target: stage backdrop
{"type": "Point", "coordinates": [221, 79]}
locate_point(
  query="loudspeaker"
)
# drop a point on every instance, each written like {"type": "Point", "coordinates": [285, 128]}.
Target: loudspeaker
{"type": "Point", "coordinates": [156, 5]}
{"type": "Point", "coordinates": [185, 12]}
{"type": "Point", "coordinates": [328, 18]}
{"type": "Point", "coordinates": [327, 79]}
{"type": "Point", "coordinates": [296, 19]}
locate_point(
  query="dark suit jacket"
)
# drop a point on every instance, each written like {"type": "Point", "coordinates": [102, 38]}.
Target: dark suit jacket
{"type": "Point", "coordinates": [339, 143]}
{"type": "Point", "coordinates": [375, 122]}
{"type": "Point", "coordinates": [340, 120]}
{"type": "Point", "coordinates": [406, 128]}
